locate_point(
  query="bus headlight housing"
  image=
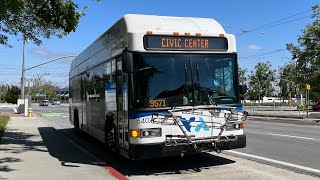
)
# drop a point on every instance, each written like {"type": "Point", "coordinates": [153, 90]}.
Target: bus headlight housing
{"type": "Point", "coordinates": [151, 132]}
{"type": "Point", "coordinates": [233, 126]}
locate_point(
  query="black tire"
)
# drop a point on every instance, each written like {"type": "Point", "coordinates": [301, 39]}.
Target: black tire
{"type": "Point", "coordinates": [111, 137]}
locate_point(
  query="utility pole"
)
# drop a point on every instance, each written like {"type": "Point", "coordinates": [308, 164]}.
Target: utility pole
{"type": "Point", "coordinates": [23, 69]}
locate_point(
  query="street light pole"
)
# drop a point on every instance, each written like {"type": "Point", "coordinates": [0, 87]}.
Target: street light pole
{"type": "Point", "coordinates": [23, 69]}
{"type": "Point", "coordinates": [49, 62]}
{"type": "Point", "coordinates": [26, 69]}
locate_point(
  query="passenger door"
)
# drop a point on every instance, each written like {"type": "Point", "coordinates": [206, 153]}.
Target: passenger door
{"type": "Point", "coordinates": [122, 106]}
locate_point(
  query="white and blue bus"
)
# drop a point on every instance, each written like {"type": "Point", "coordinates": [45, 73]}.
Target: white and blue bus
{"type": "Point", "coordinates": [157, 86]}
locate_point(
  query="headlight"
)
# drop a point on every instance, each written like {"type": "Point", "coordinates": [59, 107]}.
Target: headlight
{"type": "Point", "coordinates": [233, 126]}
{"type": "Point", "coordinates": [152, 132]}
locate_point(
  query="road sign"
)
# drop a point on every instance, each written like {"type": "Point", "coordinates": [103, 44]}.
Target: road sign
{"type": "Point", "coordinates": [308, 87]}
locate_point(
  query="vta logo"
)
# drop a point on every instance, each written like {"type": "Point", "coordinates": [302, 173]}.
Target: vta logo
{"type": "Point", "coordinates": [202, 125]}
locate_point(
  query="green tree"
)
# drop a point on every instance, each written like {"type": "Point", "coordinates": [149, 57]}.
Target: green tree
{"type": "Point", "coordinates": [13, 95]}
{"type": "Point", "coordinates": [260, 81]}
{"type": "Point", "coordinates": [307, 56]}
{"type": "Point", "coordinates": [3, 92]}
{"type": "Point", "coordinates": [41, 86]}
{"type": "Point", "coordinates": [287, 80]}
{"type": "Point", "coordinates": [242, 75]}
{"type": "Point", "coordinates": [49, 89]}
{"type": "Point", "coordinates": [33, 19]}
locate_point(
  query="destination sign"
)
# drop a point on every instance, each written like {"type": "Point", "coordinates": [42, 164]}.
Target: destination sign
{"type": "Point", "coordinates": [163, 42]}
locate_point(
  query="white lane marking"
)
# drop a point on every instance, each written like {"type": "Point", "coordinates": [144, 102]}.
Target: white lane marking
{"type": "Point", "coordinates": [298, 137]}
{"type": "Point", "coordinates": [276, 161]}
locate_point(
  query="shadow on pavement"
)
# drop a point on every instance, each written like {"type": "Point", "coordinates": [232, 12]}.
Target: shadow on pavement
{"type": "Point", "coordinates": [59, 147]}
{"type": "Point", "coordinates": [173, 165]}
{"type": "Point", "coordinates": [6, 168]}
{"type": "Point", "coordinates": [21, 142]}
{"type": "Point", "coordinates": [17, 142]}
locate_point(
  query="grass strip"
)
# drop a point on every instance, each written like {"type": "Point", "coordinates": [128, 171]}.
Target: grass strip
{"type": "Point", "coordinates": [4, 119]}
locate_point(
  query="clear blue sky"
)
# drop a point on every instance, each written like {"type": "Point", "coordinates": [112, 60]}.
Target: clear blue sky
{"type": "Point", "coordinates": [234, 15]}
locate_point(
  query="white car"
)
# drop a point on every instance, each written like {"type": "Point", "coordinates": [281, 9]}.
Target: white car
{"type": "Point", "coordinates": [55, 102]}
{"type": "Point", "coordinates": [43, 103]}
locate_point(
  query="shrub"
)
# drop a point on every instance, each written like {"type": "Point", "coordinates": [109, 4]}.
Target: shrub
{"type": "Point", "coordinates": [13, 95]}
{"type": "Point", "coordinates": [4, 119]}
{"type": "Point", "coordinates": [302, 107]}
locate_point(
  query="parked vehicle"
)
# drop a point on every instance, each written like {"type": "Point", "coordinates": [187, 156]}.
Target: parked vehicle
{"type": "Point", "coordinates": [55, 102]}
{"type": "Point", "coordinates": [43, 103]}
{"type": "Point", "coordinates": [316, 107]}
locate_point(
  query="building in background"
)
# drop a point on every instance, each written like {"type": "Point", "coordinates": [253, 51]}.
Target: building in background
{"type": "Point", "coordinates": [63, 94]}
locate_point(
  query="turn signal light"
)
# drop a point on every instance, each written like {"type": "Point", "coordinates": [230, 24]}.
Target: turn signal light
{"type": "Point", "coordinates": [242, 125]}
{"type": "Point", "coordinates": [134, 133]}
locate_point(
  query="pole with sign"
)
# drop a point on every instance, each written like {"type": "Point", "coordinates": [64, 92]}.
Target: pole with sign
{"type": "Point", "coordinates": [307, 99]}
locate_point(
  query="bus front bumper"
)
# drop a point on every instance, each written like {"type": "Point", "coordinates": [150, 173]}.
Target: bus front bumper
{"type": "Point", "coordinates": [151, 151]}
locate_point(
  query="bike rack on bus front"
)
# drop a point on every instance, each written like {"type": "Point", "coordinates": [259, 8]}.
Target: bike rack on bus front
{"type": "Point", "coordinates": [185, 139]}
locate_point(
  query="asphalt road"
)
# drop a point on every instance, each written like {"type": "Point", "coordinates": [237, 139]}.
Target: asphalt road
{"type": "Point", "coordinates": [58, 114]}
{"type": "Point", "coordinates": [7, 108]}
{"type": "Point", "coordinates": [293, 143]}
{"type": "Point", "coordinates": [296, 144]}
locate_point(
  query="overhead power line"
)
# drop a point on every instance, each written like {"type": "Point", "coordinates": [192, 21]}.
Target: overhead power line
{"type": "Point", "coordinates": [260, 55]}
{"type": "Point", "coordinates": [10, 65]}
{"type": "Point", "coordinates": [276, 23]}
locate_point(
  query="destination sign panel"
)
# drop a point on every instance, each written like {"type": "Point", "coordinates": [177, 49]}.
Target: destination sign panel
{"type": "Point", "coordinates": [163, 42]}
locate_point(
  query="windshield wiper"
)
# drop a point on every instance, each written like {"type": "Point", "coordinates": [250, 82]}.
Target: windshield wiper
{"type": "Point", "coordinates": [200, 88]}
{"type": "Point", "coordinates": [185, 87]}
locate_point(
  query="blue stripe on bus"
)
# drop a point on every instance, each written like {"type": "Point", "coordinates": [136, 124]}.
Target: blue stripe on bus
{"type": "Point", "coordinates": [239, 108]}
{"type": "Point", "coordinates": [135, 115]}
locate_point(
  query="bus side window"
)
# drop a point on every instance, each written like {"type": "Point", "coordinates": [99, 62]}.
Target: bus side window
{"type": "Point", "coordinates": [113, 70]}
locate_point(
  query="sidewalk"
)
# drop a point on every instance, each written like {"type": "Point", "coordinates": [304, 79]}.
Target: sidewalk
{"type": "Point", "coordinates": [31, 150]}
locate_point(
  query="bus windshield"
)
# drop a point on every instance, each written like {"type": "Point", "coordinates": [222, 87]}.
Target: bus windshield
{"type": "Point", "coordinates": [169, 80]}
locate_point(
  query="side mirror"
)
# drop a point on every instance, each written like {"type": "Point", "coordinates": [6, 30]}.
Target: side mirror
{"type": "Point", "coordinates": [127, 61]}
{"type": "Point", "coordinates": [243, 89]}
